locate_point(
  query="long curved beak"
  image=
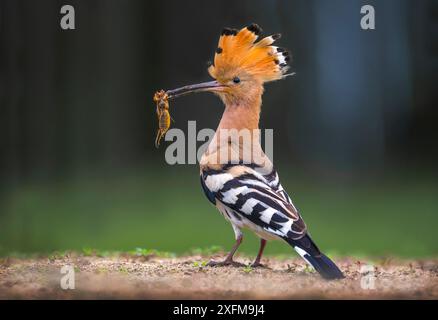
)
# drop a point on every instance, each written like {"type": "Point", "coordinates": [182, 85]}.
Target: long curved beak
{"type": "Point", "coordinates": [212, 86]}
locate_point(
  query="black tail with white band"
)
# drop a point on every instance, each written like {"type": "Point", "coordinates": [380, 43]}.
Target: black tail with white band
{"type": "Point", "coordinates": [308, 250]}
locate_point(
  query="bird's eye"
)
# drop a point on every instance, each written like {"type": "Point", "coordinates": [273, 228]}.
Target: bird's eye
{"type": "Point", "coordinates": [236, 80]}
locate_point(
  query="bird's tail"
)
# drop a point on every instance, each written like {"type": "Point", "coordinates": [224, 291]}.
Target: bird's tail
{"type": "Point", "coordinates": [308, 250]}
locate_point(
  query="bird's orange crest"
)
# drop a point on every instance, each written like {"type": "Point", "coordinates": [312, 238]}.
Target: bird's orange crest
{"type": "Point", "coordinates": [238, 51]}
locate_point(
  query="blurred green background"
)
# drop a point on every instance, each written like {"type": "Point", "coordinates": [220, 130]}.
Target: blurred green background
{"type": "Point", "coordinates": [166, 210]}
{"type": "Point", "coordinates": [355, 132]}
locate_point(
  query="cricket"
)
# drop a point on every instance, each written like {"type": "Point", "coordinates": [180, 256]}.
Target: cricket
{"type": "Point", "coordinates": [164, 118]}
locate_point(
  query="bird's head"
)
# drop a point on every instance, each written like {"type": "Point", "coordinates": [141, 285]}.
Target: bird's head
{"type": "Point", "coordinates": [241, 66]}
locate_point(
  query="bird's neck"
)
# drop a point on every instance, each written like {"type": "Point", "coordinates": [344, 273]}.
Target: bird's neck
{"type": "Point", "coordinates": [242, 114]}
{"type": "Point", "coordinates": [243, 117]}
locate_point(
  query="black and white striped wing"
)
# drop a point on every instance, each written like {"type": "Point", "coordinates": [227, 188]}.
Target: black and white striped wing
{"type": "Point", "coordinates": [252, 198]}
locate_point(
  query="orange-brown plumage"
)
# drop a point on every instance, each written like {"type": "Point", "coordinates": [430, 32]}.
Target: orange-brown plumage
{"type": "Point", "coordinates": [240, 56]}
{"type": "Point", "coordinates": [238, 52]}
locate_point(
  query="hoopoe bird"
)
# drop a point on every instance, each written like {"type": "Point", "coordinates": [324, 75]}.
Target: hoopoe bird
{"type": "Point", "coordinates": [249, 193]}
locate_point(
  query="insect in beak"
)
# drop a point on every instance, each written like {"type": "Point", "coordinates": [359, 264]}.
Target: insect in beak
{"type": "Point", "coordinates": [161, 99]}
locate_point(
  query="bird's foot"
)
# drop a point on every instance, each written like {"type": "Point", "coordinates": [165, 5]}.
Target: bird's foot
{"type": "Point", "coordinates": [225, 263]}
{"type": "Point", "coordinates": [258, 265]}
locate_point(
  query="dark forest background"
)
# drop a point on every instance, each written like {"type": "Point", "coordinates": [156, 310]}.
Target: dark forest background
{"type": "Point", "coordinates": [355, 131]}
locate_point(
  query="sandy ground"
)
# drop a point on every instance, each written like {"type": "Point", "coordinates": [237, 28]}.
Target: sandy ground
{"type": "Point", "coordinates": [150, 277]}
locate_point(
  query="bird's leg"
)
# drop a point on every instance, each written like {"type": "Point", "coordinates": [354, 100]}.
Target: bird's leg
{"type": "Point", "coordinates": [229, 259]}
{"type": "Point", "coordinates": [257, 263]}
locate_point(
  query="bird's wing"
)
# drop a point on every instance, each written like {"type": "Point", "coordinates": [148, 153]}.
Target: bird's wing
{"type": "Point", "coordinates": [253, 197]}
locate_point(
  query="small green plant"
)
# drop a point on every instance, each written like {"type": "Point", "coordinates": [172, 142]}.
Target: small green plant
{"type": "Point", "coordinates": [199, 264]}
{"type": "Point", "coordinates": [247, 269]}
{"type": "Point", "coordinates": [309, 269]}
{"type": "Point", "coordinates": [88, 252]}
{"type": "Point", "coordinates": [57, 255]}
{"type": "Point", "coordinates": [142, 252]}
